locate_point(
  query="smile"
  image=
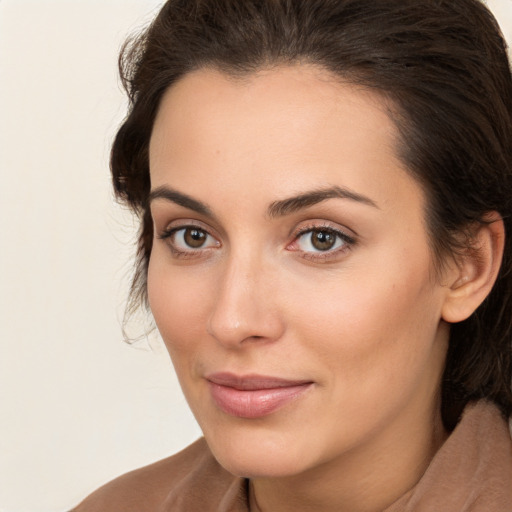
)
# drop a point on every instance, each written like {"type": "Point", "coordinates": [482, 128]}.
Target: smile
{"type": "Point", "coordinates": [253, 396]}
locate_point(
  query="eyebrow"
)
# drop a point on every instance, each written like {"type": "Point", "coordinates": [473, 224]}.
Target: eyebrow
{"type": "Point", "coordinates": [276, 209]}
{"type": "Point", "coordinates": [306, 199]}
{"type": "Point", "coordinates": [180, 199]}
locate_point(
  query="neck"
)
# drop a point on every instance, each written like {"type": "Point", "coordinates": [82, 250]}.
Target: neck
{"type": "Point", "coordinates": [366, 479]}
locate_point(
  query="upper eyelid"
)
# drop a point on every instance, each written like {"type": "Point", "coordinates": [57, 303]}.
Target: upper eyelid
{"type": "Point", "coordinates": [170, 231]}
{"type": "Point", "coordinates": [301, 231]}
{"type": "Point", "coordinates": [160, 210]}
{"type": "Point", "coordinates": [347, 239]}
{"type": "Point", "coordinates": [303, 228]}
{"type": "Point", "coordinates": [168, 235]}
{"type": "Point", "coordinates": [323, 224]}
{"type": "Point", "coordinates": [183, 223]}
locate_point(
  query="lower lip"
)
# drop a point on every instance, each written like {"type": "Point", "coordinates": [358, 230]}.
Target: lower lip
{"type": "Point", "coordinates": [254, 403]}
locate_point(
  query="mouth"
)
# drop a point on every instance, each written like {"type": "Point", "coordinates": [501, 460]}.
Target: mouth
{"type": "Point", "coordinates": [253, 396]}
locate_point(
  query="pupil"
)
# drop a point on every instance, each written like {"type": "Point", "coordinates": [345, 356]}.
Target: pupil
{"type": "Point", "coordinates": [194, 237]}
{"type": "Point", "coordinates": [323, 240]}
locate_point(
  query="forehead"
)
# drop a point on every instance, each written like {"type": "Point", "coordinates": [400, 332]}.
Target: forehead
{"type": "Point", "coordinates": [289, 100]}
{"type": "Point", "coordinates": [295, 126]}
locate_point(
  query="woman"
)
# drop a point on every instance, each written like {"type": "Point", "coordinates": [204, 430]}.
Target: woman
{"type": "Point", "coordinates": [325, 193]}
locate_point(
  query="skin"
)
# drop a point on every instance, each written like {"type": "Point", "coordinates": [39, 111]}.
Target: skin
{"type": "Point", "coordinates": [363, 322]}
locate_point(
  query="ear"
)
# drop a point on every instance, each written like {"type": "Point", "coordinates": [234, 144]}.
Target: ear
{"type": "Point", "coordinates": [475, 271]}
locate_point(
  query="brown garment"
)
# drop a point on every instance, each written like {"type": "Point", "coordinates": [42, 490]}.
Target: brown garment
{"type": "Point", "coordinates": [472, 472]}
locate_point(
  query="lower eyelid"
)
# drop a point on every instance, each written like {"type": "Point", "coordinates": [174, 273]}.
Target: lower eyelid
{"type": "Point", "coordinates": [168, 236]}
{"type": "Point", "coordinates": [347, 243]}
{"type": "Point", "coordinates": [323, 257]}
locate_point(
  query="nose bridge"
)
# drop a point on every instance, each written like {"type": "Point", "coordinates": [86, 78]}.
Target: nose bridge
{"type": "Point", "coordinates": [243, 309]}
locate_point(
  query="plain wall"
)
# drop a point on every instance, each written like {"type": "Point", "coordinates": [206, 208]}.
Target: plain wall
{"type": "Point", "coordinates": [78, 406]}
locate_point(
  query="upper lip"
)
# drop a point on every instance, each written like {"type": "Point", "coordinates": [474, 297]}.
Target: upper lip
{"type": "Point", "coordinates": [252, 382]}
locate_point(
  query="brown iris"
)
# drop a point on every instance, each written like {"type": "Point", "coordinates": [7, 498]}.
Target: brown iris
{"type": "Point", "coordinates": [194, 237]}
{"type": "Point", "coordinates": [323, 240]}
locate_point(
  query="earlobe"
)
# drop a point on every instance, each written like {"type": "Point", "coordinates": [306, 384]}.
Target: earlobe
{"type": "Point", "coordinates": [476, 271]}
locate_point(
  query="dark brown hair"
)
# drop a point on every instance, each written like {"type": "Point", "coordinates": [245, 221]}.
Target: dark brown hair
{"type": "Point", "coordinates": [442, 63]}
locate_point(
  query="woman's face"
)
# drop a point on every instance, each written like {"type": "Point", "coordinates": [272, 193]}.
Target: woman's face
{"type": "Point", "coordinates": [291, 277]}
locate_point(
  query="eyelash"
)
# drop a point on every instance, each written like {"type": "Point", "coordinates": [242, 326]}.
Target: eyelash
{"type": "Point", "coordinates": [348, 242]}
{"type": "Point", "coordinates": [169, 233]}
{"type": "Point", "coordinates": [321, 256]}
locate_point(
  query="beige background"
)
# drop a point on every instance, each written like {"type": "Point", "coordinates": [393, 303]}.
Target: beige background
{"type": "Point", "coordinates": [77, 405]}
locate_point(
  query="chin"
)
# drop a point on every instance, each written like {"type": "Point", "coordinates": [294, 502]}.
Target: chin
{"type": "Point", "coordinates": [262, 454]}
{"type": "Point", "coordinates": [259, 464]}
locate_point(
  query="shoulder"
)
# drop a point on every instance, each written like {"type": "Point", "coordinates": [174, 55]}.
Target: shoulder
{"type": "Point", "coordinates": [151, 487]}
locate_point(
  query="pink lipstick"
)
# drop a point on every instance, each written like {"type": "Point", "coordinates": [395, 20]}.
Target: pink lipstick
{"type": "Point", "coordinates": [253, 396]}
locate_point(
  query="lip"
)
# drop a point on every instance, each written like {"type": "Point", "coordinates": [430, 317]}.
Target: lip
{"type": "Point", "coordinates": [253, 396]}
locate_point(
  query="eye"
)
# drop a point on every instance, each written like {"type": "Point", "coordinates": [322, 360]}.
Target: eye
{"type": "Point", "coordinates": [188, 239]}
{"type": "Point", "coordinates": [321, 242]}
{"type": "Point", "coordinates": [191, 237]}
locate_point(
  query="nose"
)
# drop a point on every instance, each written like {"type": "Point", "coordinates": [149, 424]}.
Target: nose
{"type": "Point", "coordinates": [245, 308]}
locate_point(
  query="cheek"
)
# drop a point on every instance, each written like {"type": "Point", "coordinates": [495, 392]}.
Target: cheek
{"type": "Point", "coordinates": [179, 301]}
{"type": "Point", "coordinates": [372, 324]}
{"type": "Point", "coordinates": [374, 340]}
